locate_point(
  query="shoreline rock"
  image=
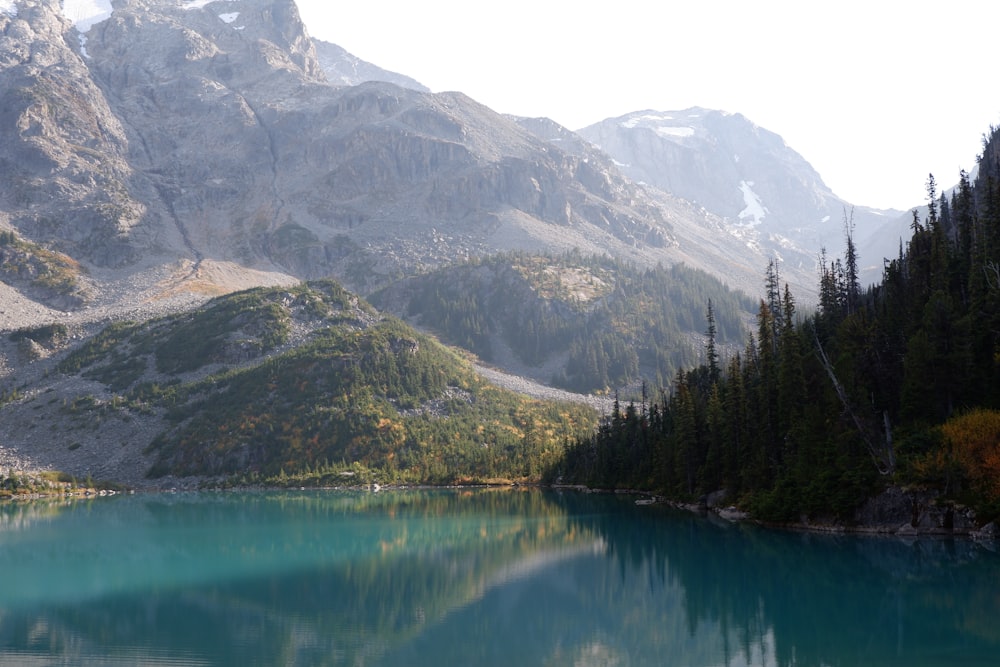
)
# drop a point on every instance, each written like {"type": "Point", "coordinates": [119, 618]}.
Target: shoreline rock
{"type": "Point", "coordinates": [894, 512]}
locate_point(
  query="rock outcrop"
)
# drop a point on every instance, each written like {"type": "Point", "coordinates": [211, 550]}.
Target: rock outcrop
{"type": "Point", "coordinates": [913, 512]}
{"type": "Point", "coordinates": [65, 172]}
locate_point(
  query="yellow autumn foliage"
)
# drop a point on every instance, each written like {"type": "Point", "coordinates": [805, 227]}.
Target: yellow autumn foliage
{"type": "Point", "coordinates": [974, 440]}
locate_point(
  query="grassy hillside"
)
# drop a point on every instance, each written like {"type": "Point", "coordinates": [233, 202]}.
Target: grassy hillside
{"type": "Point", "coordinates": [312, 385]}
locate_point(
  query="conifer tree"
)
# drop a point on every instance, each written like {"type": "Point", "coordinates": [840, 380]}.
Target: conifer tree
{"type": "Point", "coordinates": [711, 353]}
{"type": "Point", "coordinates": [852, 287]}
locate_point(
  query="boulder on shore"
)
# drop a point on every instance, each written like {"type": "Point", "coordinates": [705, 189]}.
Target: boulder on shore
{"type": "Point", "coordinates": [914, 512]}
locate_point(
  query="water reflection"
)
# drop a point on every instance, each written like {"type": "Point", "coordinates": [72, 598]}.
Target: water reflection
{"type": "Point", "coordinates": [486, 578]}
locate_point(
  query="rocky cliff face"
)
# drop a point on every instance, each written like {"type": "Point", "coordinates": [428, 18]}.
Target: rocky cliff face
{"type": "Point", "coordinates": [65, 175]}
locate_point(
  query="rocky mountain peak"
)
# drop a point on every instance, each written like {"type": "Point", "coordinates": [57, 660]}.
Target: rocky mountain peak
{"type": "Point", "coordinates": [63, 152]}
{"type": "Point", "coordinates": [712, 158]}
{"type": "Point", "coordinates": [745, 174]}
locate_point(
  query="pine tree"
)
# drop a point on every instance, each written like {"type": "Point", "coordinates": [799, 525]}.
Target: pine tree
{"type": "Point", "coordinates": [772, 286]}
{"type": "Point", "coordinates": [711, 352]}
{"type": "Point", "coordinates": [852, 291]}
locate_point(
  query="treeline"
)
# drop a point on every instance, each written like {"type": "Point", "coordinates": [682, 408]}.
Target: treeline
{"type": "Point", "coordinates": [895, 383]}
{"type": "Point", "coordinates": [601, 321]}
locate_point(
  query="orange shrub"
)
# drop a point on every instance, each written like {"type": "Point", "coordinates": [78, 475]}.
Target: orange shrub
{"type": "Point", "coordinates": [974, 439]}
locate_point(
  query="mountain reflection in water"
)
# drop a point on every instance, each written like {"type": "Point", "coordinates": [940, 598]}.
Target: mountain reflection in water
{"type": "Point", "coordinates": [490, 577]}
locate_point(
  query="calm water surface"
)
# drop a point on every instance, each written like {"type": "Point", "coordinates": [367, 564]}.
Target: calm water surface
{"type": "Point", "coordinates": [476, 578]}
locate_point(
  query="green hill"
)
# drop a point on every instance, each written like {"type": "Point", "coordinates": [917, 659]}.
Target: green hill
{"type": "Point", "coordinates": [582, 323]}
{"type": "Point", "coordinates": [304, 385]}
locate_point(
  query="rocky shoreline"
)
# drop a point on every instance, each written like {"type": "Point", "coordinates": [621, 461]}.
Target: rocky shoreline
{"type": "Point", "coordinates": [896, 512]}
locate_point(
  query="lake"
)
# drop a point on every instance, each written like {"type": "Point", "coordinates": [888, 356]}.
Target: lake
{"type": "Point", "coordinates": [472, 577]}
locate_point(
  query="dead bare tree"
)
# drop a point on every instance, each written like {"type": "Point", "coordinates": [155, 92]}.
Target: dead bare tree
{"type": "Point", "coordinates": [880, 448]}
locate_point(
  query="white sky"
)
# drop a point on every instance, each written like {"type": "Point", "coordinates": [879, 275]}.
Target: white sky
{"type": "Point", "coordinates": [875, 94]}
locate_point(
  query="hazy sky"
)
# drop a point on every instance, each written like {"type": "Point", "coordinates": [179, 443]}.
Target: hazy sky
{"type": "Point", "coordinates": [875, 94]}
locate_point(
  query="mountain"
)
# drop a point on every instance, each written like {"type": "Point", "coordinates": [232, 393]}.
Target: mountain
{"type": "Point", "coordinates": [747, 176]}
{"type": "Point", "coordinates": [345, 69]}
{"type": "Point", "coordinates": [174, 150]}
{"type": "Point", "coordinates": [175, 139]}
{"type": "Point", "coordinates": [157, 153]}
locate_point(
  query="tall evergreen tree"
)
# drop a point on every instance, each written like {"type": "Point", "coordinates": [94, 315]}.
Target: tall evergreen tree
{"type": "Point", "coordinates": [711, 352]}
{"type": "Point", "coordinates": [852, 286]}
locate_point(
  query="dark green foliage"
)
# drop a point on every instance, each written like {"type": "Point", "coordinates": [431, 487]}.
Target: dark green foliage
{"type": "Point", "coordinates": [601, 321]}
{"type": "Point", "coordinates": [820, 412]}
{"type": "Point", "coordinates": [245, 328]}
{"type": "Point", "coordinates": [98, 347]}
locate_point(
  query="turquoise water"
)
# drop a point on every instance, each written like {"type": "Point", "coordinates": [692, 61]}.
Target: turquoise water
{"type": "Point", "coordinates": [513, 577]}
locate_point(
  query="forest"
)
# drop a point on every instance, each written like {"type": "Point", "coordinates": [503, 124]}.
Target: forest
{"type": "Point", "coordinates": [893, 383]}
{"type": "Point", "coordinates": [599, 322]}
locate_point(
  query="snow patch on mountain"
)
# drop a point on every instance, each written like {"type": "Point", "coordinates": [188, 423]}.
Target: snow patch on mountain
{"type": "Point", "coordinates": [8, 7]}
{"type": "Point", "coordinates": [671, 131]}
{"type": "Point", "coordinates": [660, 123]}
{"type": "Point", "coordinates": [199, 4]}
{"type": "Point", "coordinates": [230, 17]}
{"type": "Point", "coordinates": [86, 13]}
{"type": "Point", "coordinates": [754, 212]}
{"type": "Point", "coordinates": [645, 119]}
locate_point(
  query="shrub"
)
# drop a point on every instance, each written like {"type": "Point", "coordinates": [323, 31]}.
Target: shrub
{"type": "Point", "coordinates": [974, 441]}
